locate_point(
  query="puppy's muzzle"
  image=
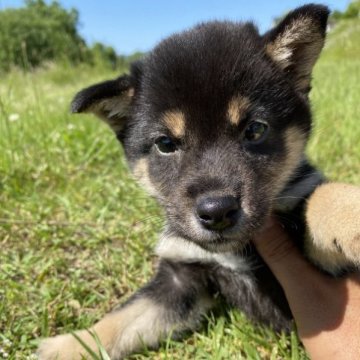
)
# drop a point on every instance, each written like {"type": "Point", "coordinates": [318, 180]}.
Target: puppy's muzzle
{"type": "Point", "coordinates": [218, 213]}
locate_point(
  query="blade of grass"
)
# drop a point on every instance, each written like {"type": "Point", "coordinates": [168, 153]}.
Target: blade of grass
{"type": "Point", "coordinates": [92, 353]}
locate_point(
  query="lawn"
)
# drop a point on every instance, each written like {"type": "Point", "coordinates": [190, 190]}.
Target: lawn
{"type": "Point", "coordinates": [77, 233]}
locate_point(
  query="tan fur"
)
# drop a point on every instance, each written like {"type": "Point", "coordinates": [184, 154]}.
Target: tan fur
{"type": "Point", "coordinates": [295, 142]}
{"type": "Point", "coordinates": [237, 108]}
{"type": "Point", "coordinates": [300, 42]}
{"type": "Point", "coordinates": [66, 347]}
{"type": "Point", "coordinates": [141, 323]}
{"type": "Point", "coordinates": [141, 174]}
{"type": "Point", "coordinates": [333, 218]}
{"type": "Point", "coordinates": [148, 323]}
{"type": "Point", "coordinates": [175, 122]}
{"type": "Point", "coordinates": [113, 110]}
{"type": "Point", "coordinates": [120, 332]}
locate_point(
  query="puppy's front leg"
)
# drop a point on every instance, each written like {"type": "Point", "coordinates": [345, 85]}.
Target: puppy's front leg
{"type": "Point", "coordinates": [333, 219]}
{"type": "Point", "coordinates": [172, 302]}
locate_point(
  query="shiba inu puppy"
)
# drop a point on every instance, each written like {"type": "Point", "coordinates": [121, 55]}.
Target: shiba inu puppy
{"type": "Point", "coordinates": [214, 123]}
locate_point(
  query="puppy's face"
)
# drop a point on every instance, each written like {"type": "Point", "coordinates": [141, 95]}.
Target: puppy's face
{"type": "Point", "coordinates": [214, 122]}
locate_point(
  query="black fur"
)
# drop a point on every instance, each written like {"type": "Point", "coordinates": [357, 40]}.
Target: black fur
{"type": "Point", "coordinates": [193, 283]}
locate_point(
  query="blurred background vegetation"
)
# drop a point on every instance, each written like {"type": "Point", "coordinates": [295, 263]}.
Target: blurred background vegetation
{"type": "Point", "coordinates": [40, 32]}
{"type": "Point", "coordinates": [352, 12]}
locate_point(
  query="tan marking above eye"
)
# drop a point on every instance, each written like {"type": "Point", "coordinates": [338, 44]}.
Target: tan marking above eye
{"type": "Point", "coordinates": [237, 108]}
{"type": "Point", "coordinates": [175, 122]}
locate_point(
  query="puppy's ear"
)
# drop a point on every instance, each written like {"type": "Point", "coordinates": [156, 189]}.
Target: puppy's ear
{"type": "Point", "coordinates": [295, 43]}
{"type": "Point", "coordinates": [109, 100]}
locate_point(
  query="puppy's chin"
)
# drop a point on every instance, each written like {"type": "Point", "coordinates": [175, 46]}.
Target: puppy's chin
{"type": "Point", "coordinates": [221, 245]}
{"type": "Point", "coordinates": [233, 239]}
{"type": "Point", "coordinates": [230, 240]}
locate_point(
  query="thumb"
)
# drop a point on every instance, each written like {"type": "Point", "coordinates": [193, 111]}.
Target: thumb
{"type": "Point", "coordinates": [283, 257]}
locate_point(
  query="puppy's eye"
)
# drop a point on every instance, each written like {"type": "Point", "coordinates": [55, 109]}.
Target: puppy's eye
{"type": "Point", "coordinates": [256, 131]}
{"type": "Point", "coordinates": [165, 145]}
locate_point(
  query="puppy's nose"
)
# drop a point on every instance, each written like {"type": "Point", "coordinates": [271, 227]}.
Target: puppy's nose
{"type": "Point", "coordinates": [218, 213]}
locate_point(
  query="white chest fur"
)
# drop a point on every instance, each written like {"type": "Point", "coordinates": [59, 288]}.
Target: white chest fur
{"type": "Point", "coordinates": [179, 249]}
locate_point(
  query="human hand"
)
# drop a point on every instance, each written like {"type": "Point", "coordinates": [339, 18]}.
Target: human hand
{"type": "Point", "coordinates": [326, 310]}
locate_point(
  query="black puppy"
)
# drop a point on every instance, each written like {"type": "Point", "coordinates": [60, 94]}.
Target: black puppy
{"type": "Point", "coordinates": [214, 123]}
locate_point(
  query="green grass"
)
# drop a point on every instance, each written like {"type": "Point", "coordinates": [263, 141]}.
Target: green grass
{"type": "Point", "coordinates": [76, 232]}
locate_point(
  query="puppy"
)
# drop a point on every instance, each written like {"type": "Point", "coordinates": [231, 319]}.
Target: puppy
{"type": "Point", "coordinates": [214, 122]}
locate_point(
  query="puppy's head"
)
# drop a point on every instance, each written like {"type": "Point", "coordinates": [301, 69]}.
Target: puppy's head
{"type": "Point", "coordinates": [214, 121]}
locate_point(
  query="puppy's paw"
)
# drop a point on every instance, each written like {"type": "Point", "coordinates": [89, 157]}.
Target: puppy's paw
{"type": "Point", "coordinates": [62, 347]}
{"type": "Point", "coordinates": [333, 219]}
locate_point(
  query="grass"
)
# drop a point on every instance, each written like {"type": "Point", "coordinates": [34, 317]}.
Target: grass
{"type": "Point", "coordinates": [76, 233]}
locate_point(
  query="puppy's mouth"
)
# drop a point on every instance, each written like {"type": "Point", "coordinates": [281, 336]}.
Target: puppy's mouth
{"type": "Point", "coordinates": [231, 238]}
